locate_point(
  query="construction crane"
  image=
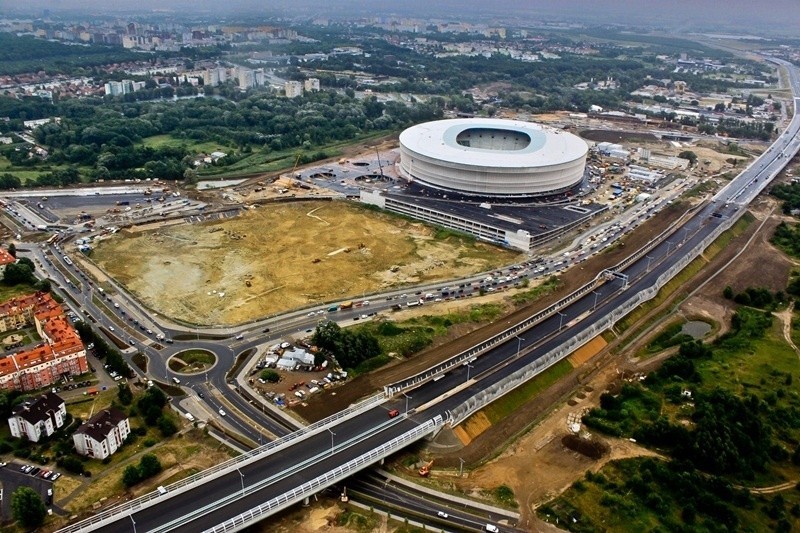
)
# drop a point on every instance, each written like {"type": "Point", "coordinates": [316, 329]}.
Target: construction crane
{"type": "Point", "coordinates": [294, 170]}
{"type": "Point", "coordinates": [426, 469]}
{"type": "Point", "coordinates": [380, 165]}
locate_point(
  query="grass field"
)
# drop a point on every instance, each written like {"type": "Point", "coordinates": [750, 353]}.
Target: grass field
{"type": "Point", "coordinates": [504, 406]}
{"type": "Point", "coordinates": [158, 141]}
{"type": "Point", "coordinates": [284, 256]}
{"type": "Point", "coordinates": [269, 161]}
{"type": "Point", "coordinates": [192, 361]}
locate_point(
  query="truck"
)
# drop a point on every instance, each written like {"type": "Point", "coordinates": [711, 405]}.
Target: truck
{"type": "Point", "coordinates": [346, 305]}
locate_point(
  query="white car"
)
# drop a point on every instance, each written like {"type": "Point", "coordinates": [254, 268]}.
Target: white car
{"type": "Point", "coordinates": [442, 514]}
{"type": "Point", "coordinates": [221, 412]}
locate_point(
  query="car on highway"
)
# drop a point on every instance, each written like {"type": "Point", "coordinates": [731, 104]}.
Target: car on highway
{"type": "Point", "coordinates": [393, 413]}
{"type": "Point", "coordinates": [442, 514]}
{"type": "Point", "coordinates": [221, 412]}
{"type": "Point", "coordinates": [239, 337]}
{"type": "Point", "coordinates": [176, 381]}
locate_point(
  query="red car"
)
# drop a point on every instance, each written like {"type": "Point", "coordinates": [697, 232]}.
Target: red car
{"type": "Point", "coordinates": [393, 413]}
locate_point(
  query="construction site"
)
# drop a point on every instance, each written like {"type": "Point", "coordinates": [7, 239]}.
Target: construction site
{"type": "Point", "coordinates": [283, 256]}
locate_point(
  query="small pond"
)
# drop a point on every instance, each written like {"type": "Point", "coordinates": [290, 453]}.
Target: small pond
{"type": "Point", "coordinates": [696, 329]}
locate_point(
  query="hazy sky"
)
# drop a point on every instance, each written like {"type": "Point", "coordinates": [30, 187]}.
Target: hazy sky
{"type": "Point", "coordinates": [680, 14]}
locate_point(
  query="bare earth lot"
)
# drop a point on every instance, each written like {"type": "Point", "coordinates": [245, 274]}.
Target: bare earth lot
{"type": "Point", "coordinates": [281, 257]}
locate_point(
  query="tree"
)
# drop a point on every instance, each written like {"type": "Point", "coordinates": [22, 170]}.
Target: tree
{"type": "Point", "coordinates": [270, 376]}
{"type": "Point", "coordinates": [16, 274]}
{"type": "Point", "coordinates": [124, 394]}
{"type": "Point", "coordinates": [27, 507]}
{"type": "Point", "coordinates": [728, 292]}
{"type": "Point", "coordinates": [166, 425]}
{"type": "Point", "coordinates": [12, 249]}
{"type": "Point", "coordinates": [131, 476]}
{"type": "Point", "coordinates": [27, 262]}
{"type": "Point", "coordinates": [149, 465]}
{"type": "Point", "coordinates": [691, 156]}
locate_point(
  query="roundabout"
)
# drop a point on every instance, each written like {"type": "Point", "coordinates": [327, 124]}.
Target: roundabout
{"type": "Point", "coordinates": [193, 361]}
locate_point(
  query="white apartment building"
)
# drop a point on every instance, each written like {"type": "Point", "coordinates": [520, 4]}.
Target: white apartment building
{"type": "Point", "coordinates": [38, 418]}
{"type": "Point", "coordinates": [103, 434]}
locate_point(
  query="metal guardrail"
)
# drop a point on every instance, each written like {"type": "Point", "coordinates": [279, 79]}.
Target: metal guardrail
{"type": "Point", "coordinates": [431, 372]}
{"type": "Point", "coordinates": [488, 395]}
{"type": "Point", "coordinates": [221, 469]}
{"type": "Point", "coordinates": [329, 478]}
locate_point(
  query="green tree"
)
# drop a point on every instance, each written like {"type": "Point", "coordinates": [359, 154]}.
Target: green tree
{"type": "Point", "coordinates": [728, 293]}
{"type": "Point", "coordinates": [27, 507]}
{"type": "Point", "coordinates": [270, 376]}
{"type": "Point", "coordinates": [166, 425]}
{"type": "Point", "coordinates": [149, 465]}
{"type": "Point", "coordinates": [131, 476]}
{"type": "Point", "coordinates": [17, 273]}
{"type": "Point", "coordinates": [12, 249]}
{"type": "Point", "coordinates": [691, 156]}
{"type": "Point", "coordinates": [124, 394]}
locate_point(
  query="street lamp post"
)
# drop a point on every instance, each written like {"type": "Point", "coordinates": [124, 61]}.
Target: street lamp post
{"type": "Point", "coordinates": [561, 319]}
{"type": "Point", "coordinates": [596, 294]}
{"type": "Point", "coordinates": [519, 344]}
{"type": "Point", "coordinates": [134, 522]}
{"type": "Point", "coordinates": [242, 476]}
{"type": "Point", "coordinates": [332, 435]}
{"type": "Point", "coordinates": [469, 367]}
{"type": "Point", "coordinates": [648, 262]}
{"type": "Point", "coordinates": [461, 467]}
{"type": "Point", "coordinates": [407, 398]}
{"type": "Point", "coordinates": [669, 247]}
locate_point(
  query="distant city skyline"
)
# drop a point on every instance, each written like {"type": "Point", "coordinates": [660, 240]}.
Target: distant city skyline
{"type": "Point", "coordinates": [779, 15]}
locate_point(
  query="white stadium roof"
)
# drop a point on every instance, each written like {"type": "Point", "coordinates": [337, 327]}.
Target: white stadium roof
{"type": "Point", "coordinates": [547, 146]}
{"type": "Point", "coordinates": [492, 157]}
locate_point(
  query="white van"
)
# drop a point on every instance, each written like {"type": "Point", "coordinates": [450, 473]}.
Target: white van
{"type": "Point", "coordinates": [176, 381]}
{"type": "Point", "coordinates": [189, 417]}
{"type": "Point", "coordinates": [491, 528]}
{"type": "Point", "coordinates": [161, 490]}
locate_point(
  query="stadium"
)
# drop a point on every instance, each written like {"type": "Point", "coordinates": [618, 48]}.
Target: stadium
{"type": "Point", "coordinates": [492, 158]}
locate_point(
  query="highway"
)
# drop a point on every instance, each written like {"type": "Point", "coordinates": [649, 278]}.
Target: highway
{"type": "Point", "coordinates": [216, 500]}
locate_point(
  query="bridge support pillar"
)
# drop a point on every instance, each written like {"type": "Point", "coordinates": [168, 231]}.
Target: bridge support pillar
{"type": "Point", "coordinates": [305, 501]}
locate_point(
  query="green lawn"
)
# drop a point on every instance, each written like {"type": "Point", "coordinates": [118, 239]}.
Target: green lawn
{"type": "Point", "coordinates": [157, 141]}
{"type": "Point", "coordinates": [507, 404]}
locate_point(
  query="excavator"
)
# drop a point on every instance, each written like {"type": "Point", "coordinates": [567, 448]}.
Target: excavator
{"type": "Point", "coordinates": [426, 469]}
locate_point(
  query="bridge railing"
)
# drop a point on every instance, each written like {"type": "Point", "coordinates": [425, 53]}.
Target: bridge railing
{"type": "Point", "coordinates": [477, 350]}
{"type": "Point", "coordinates": [490, 394]}
{"type": "Point", "coordinates": [222, 469]}
{"type": "Point", "coordinates": [329, 478]}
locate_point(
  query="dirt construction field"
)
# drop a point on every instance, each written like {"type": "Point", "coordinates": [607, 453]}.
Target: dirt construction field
{"type": "Point", "coordinates": [281, 257]}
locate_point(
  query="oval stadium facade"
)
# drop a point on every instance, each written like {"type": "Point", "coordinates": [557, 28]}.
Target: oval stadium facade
{"type": "Point", "coordinates": [492, 157]}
